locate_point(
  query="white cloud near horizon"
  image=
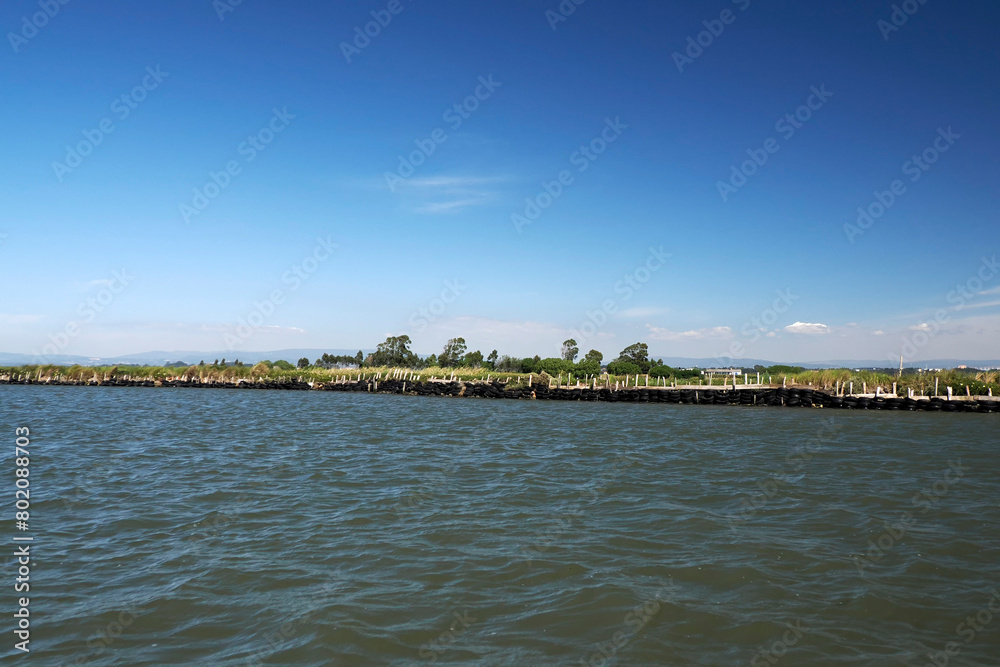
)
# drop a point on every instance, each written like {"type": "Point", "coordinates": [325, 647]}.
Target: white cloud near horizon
{"type": "Point", "coordinates": [807, 328]}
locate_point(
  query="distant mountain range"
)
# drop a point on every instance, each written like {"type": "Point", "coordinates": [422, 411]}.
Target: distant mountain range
{"type": "Point", "coordinates": [158, 358]}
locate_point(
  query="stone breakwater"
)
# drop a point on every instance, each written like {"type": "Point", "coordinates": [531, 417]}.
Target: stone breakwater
{"type": "Point", "coordinates": [791, 397]}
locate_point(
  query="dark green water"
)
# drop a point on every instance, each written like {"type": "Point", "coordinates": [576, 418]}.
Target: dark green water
{"type": "Point", "coordinates": [198, 527]}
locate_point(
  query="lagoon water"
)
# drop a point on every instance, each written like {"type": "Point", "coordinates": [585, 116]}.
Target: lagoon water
{"type": "Point", "coordinates": [213, 527]}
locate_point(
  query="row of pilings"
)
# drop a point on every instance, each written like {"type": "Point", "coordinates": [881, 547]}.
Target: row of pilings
{"type": "Point", "coordinates": [767, 396]}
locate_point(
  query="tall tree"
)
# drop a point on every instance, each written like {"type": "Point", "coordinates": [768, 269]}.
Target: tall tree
{"type": "Point", "coordinates": [303, 362]}
{"type": "Point", "coordinates": [453, 352]}
{"type": "Point", "coordinates": [491, 360]}
{"type": "Point", "coordinates": [636, 353]}
{"type": "Point", "coordinates": [594, 355]}
{"type": "Point", "coordinates": [569, 350]}
{"type": "Point", "coordinates": [473, 359]}
{"type": "Point", "coordinates": [395, 351]}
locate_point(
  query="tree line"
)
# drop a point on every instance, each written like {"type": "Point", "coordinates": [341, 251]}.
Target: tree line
{"type": "Point", "coordinates": [395, 352]}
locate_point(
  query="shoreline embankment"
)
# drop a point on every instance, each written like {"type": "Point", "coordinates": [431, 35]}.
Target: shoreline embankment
{"type": "Point", "coordinates": [755, 396]}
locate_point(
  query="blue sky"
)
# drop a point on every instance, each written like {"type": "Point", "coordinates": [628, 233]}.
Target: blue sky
{"type": "Point", "coordinates": [302, 240]}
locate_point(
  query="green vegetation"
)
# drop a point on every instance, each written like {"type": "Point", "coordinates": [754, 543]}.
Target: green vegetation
{"type": "Point", "coordinates": [393, 358]}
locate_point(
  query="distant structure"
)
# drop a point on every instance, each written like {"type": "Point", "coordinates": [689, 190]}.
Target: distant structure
{"type": "Point", "coordinates": [727, 372]}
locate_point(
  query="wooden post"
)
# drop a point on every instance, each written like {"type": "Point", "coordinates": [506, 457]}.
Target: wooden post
{"type": "Point", "coordinates": [852, 388]}
{"type": "Point", "coordinates": [893, 388]}
{"type": "Point", "coordinates": [784, 381]}
{"type": "Point", "coordinates": [949, 393]}
{"type": "Point", "coordinates": [935, 386]}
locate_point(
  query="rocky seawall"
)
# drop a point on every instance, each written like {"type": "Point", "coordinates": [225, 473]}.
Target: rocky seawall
{"type": "Point", "coordinates": [791, 397]}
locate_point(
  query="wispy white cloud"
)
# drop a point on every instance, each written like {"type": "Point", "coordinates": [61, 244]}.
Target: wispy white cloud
{"type": "Point", "coordinates": [878, 332]}
{"type": "Point", "coordinates": [445, 194]}
{"type": "Point", "coordinates": [807, 328]}
{"type": "Point", "coordinates": [642, 312]}
{"type": "Point", "coordinates": [451, 206]}
{"type": "Point", "coordinates": [987, 304]}
{"type": "Point", "coordinates": [659, 333]}
{"type": "Point", "coordinates": [451, 181]}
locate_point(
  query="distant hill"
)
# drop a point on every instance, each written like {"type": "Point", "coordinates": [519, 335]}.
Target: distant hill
{"type": "Point", "coordinates": [158, 358]}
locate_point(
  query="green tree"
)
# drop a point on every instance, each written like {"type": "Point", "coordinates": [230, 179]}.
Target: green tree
{"type": "Point", "coordinates": [395, 351]}
{"type": "Point", "coordinates": [201, 363]}
{"type": "Point", "coordinates": [453, 352]}
{"type": "Point", "coordinates": [587, 367]}
{"type": "Point", "coordinates": [636, 353]}
{"type": "Point", "coordinates": [431, 361]}
{"type": "Point", "coordinates": [595, 356]}
{"type": "Point", "coordinates": [283, 365]}
{"type": "Point", "coordinates": [661, 371]}
{"type": "Point", "coordinates": [303, 362]}
{"type": "Point", "coordinates": [491, 360]}
{"type": "Point", "coordinates": [570, 351]}
{"type": "Point", "coordinates": [623, 368]}
{"type": "Point", "coordinates": [473, 359]}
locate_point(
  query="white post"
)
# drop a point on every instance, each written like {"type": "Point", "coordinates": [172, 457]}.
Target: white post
{"type": "Point", "coordinates": [949, 393]}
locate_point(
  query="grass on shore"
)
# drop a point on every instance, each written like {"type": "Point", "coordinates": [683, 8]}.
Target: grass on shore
{"type": "Point", "coordinates": [979, 383]}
